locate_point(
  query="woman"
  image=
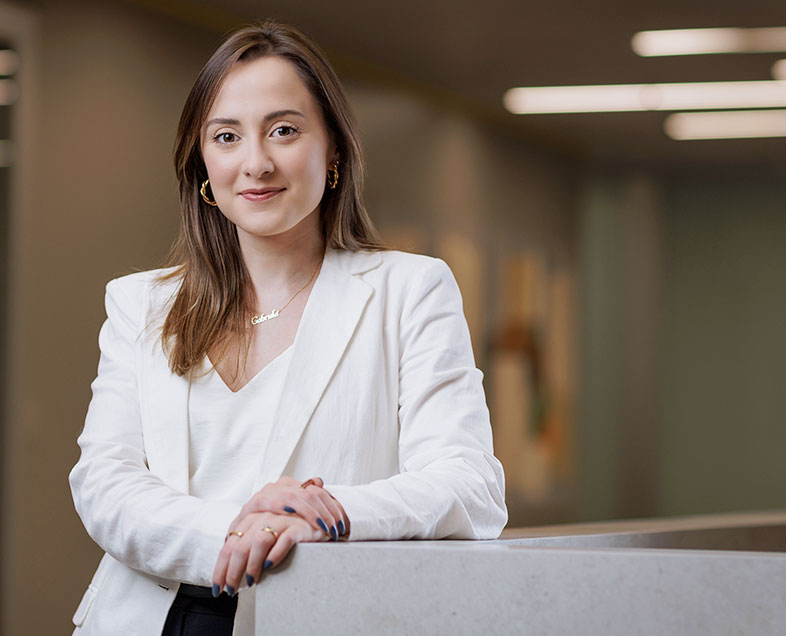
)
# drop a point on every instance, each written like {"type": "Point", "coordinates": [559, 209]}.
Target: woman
{"type": "Point", "coordinates": [284, 343]}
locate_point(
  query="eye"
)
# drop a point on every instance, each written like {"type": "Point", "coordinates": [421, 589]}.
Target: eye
{"type": "Point", "coordinates": [285, 130]}
{"type": "Point", "coordinates": [225, 138]}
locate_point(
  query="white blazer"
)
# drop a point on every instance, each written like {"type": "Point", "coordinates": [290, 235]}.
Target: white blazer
{"type": "Point", "coordinates": [382, 400]}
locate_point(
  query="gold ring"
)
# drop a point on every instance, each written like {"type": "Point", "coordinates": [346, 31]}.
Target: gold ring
{"type": "Point", "coordinates": [237, 533]}
{"type": "Point", "coordinates": [271, 531]}
{"type": "Point", "coordinates": [307, 483]}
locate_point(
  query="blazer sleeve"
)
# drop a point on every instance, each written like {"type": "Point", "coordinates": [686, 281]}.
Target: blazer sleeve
{"type": "Point", "coordinates": [127, 510]}
{"type": "Point", "coordinates": [450, 485]}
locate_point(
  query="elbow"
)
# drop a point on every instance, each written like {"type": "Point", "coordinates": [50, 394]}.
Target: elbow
{"type": "Point", "coordinates": [495, 511]}
{"type": "Point", "coordinates": [493, 517]}
{"type": "Point", "coordinates": [483, 503]}
{"type": "Point", "coordinates": [498, 519]}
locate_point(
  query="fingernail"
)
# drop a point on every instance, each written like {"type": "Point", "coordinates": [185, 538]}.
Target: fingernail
{"type": "Point", "coordinates": [268, 564]}
{"type": "Point", "coordinates": [288, 509]}
{"type": "Point", "coordinates": [216, 590]}
{"type": "Point", "coordinates": [230, 590]}
{"type": "Point", "coordinates": [322, 525]}
{"type": "Point", "coordinates": [341, 528]}
{"type": "Point", "coordinates": [334, 533]}
{"type": "Point", "coordinates": [249, 580]}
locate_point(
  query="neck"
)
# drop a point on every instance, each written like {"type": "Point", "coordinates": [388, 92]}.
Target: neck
{"type": "Point", "coordinates": [280, 265]}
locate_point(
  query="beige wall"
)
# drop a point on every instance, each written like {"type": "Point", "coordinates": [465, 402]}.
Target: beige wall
{"type": "Point", "coordinates": [98, 201]}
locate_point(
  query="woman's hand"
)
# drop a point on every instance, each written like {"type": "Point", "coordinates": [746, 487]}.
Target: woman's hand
{"type": "Point", "coordinates": [260, 541]}
{"type": "Point", "coordinates": [314, 504]}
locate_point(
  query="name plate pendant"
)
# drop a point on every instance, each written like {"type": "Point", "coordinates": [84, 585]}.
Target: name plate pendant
{"type": "Point", "coordinates": [255, 320]}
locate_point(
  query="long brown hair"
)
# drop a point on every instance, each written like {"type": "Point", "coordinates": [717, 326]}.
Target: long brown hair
{"type": "Point", "coordinates": [211, 308]}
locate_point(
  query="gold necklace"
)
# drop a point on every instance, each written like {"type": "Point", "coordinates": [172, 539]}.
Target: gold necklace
{"type": "Point", "coordinates": [256, 319]}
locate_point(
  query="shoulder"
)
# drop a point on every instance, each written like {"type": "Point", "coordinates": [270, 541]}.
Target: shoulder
{"type": "Point", "coordinates": [139, 296]}
{"type": "Point", "coordinates": [142, 284]}
{"type": "Point", "coordinates": [389, 263]}
{"type": "Point", "coordinates": [416, 273]}
{"type": "Point", "coordinates": [407, 263]}
{"type": "Point", "coordinates": [405, 280]}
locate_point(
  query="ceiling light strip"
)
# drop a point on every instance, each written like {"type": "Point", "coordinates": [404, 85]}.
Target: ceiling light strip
{"type": "Point", "coordinates": [748, 124]}
{"type": "Point", "coordinates": [709, 41]}
{"type": "Point", "coordinates": [641, 97]}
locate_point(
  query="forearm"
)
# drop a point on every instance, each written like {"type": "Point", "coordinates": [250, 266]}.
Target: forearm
{"type": "Point", "coordinates": [458, 497]}
{"type": "Point", "coordinates": [147, 525]}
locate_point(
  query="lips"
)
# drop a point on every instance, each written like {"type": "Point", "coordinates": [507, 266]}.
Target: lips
{"type": "Point", "coordinates": [260, 194]}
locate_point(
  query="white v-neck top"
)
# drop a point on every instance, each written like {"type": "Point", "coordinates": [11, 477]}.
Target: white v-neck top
{"type": "Point", "coordinates": [228, 431]}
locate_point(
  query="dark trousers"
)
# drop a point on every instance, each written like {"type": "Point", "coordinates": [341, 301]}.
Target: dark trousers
{"type": "Point", "coordinates": [195, 612]}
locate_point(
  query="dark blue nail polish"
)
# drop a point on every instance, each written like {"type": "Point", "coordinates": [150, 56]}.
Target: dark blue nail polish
{"type": "Point", "coordinates": [322, 525]}
{"type": "Point", "coordinates": [288, 509]}
{"type": "Point", "coordinates": [333, 533]}
{"type": "Point", "coordinates": [216, 590]}
{"type": "Point", "coordinates": [268, 564]}
{"type": "Point", "coordinates": [341, 528]}
{"type": "Point", "coordinates": [249, 580]}
{"type": "Point", "coordinates": [230, 590]}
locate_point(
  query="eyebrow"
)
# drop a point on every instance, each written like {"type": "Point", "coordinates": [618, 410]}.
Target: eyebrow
{"type": "Point", "coordinates": [270, 116]}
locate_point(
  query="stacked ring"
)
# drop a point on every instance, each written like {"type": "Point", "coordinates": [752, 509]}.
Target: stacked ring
{"type": "Point", "coordinates": [237, 533]}
{"type": "Point", "coordinates": [271, 531]}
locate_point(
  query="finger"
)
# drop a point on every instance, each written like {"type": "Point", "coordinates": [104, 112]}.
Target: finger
{"type": "Point", "coordinates": [308, 504]}
{"type": "Point", "coordinates": [237, 563]}
{"type": "Point", "coordinates": [297, 501]}
{"type": "Point", "coordinates": [296, 533]}
{"type": "Point", "coordinates": [220, 571]}
{"type": "Point", "coordinates": [257, 555]}
{"type": "Point", "coordinates": [289, 501]}
{"type": "Point", "coordinates": [329, 511]}
{"type": "Point", "coordinates": [282, 546]}
{"type": "Point", "coordinates": [342, 524]}
{"type": "Point", "coordinates": [339, 521]}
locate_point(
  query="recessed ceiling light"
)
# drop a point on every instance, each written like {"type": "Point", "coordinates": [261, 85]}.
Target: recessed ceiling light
{"type": "Point", "coordinates": [707, 41]}
{"type": "Point", "coordinates": [747, 124]}
{"type": "Point", "coordinates": [640, 97]}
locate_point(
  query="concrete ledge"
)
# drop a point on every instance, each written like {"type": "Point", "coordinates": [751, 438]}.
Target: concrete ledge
{"type": "Point", "coordinates": [514, 586]}
{"type": "Point", "coordinates": [753, 532]}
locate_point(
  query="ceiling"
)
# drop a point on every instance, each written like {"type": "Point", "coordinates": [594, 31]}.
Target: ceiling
{"type": "Point", "coordinates": [469, 52]}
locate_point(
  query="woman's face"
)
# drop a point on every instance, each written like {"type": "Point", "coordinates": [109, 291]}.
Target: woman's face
{"type": "Point", "coordinates": [267, 150]}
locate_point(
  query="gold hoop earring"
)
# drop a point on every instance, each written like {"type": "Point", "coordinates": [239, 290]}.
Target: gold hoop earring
{"type": "Point", "coordinates": [203, 192]}
{"type": "Point", "coordinates": [332, 175]}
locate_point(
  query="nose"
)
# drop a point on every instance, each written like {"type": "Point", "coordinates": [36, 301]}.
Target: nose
{"type": "Point", "coordinates": [257, 161]}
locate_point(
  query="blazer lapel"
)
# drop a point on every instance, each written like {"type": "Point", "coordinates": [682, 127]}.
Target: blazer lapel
{"type": "Point", "coordinates": [329, 320]}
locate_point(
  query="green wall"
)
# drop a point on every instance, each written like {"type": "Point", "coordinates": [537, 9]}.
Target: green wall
{"type": "Point", "coordinates": [722, 433]}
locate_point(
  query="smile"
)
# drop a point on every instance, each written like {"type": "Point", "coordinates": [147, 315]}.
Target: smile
{"type": "Point", "coordinates": [260, 194]}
